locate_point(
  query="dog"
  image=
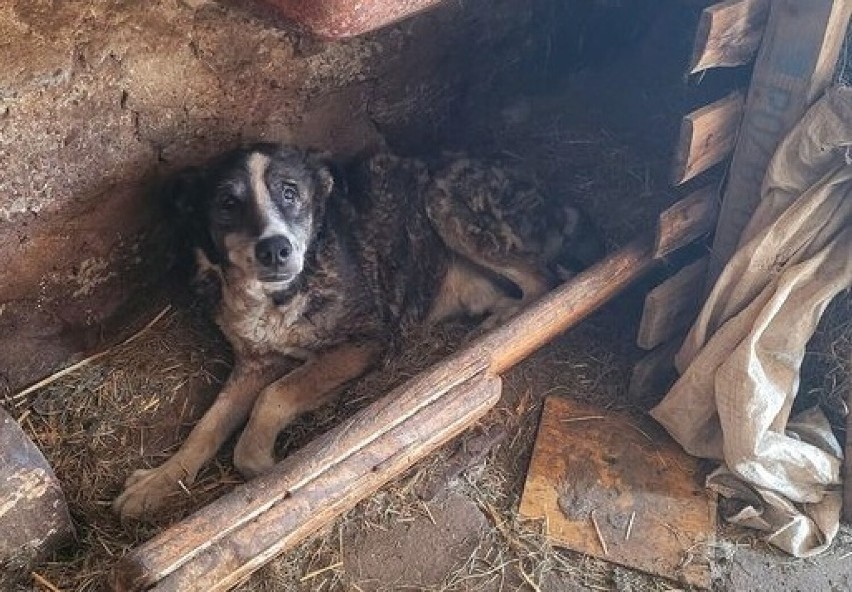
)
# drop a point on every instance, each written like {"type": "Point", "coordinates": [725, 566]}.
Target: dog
{"type": "Point", "coordinates": [329, 264]}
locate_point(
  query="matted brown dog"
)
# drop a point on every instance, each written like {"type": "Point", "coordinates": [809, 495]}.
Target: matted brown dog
{"type": "Point", "coordinates": [331, 268]}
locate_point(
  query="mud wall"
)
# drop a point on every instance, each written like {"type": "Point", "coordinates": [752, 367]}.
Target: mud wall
{"type": "Point", "coordinates": [100, 99]}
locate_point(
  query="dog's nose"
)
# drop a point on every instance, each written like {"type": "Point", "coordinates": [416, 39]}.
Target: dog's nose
{"type": "Point", "coordinates": [273, 250]}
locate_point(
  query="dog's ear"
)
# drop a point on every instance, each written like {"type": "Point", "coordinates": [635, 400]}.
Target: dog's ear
{"type": "Point", "coordinates": [185, 202]}
{"type": "Point", "coordinates": [183, 195]}
{"type": "Point", "coordinates": [327, 174]}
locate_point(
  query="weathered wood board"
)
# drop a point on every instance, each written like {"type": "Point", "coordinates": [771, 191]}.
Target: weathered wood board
{"type": "Point", "coordinates": [796, 61]}
{"type": "Point", "coordinates": [728, 34]}
{"type": "Point", "coordinates": [672, 306]}
{"type": "Point", "coordinates": [591, 466]}
{"type": "Point", "coordinates": [707, 137]}
{"type": "Point", "coordinates": [696, 212]}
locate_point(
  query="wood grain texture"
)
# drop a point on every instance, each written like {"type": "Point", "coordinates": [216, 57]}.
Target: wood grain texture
{"type": "Point", "coordinates": [313, 505]}
{"type": "Point", "coordinates": [728, 34]}
{"type": "Point", "coordinates": [686, 221]}
{"type": "Point", "coordinates": [707, 137]}
{"type": "Point", "coordinates": [590, 459]}
{"type": "Point", "coordinates": [795, 63]}
{"type": "Point", "coordinates": [672, 306]}
{"type": "Point", "coordinates": [217, 535]}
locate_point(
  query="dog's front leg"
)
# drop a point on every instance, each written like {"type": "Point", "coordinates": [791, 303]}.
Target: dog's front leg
{"type": "Point", "coordinates": [304, 389]}
{"type": "Point", "coordinates": [147, 490]}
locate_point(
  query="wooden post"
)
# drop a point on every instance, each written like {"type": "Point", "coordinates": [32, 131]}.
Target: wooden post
{"type": "Point", "coordinates": [795, 63]}
{"type": "Point", "coordinates": [236, 534]}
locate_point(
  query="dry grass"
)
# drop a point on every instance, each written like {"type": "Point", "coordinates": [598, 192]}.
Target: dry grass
{"type": "Point", "coordinates": [131, 406]}
{"type": "Point", "coordinates": [827, 368]}
{"type": "Point", "coordinates": [113, 414]}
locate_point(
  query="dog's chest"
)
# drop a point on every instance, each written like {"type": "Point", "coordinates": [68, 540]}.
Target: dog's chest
{"type": "Point", "coordinates": [260, 327]}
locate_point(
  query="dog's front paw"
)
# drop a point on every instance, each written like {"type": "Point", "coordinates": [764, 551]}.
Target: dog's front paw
{"type": "Point", "coordinates": [147, 490]}
{"type": "Point", "coordinates": [251, 459]}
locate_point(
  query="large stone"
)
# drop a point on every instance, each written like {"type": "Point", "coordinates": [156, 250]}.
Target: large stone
{"type": "Point", "coordinates": [34, 518]}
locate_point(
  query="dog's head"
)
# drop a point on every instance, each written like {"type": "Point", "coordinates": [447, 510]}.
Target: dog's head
{"type": "Point", "coordinates": [256, 210]}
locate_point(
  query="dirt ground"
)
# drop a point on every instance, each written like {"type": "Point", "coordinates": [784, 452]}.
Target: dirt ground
{"type": "Point", "coordinates": [450, 523]}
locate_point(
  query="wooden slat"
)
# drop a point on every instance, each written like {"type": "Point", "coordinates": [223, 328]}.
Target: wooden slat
{"type": "Point", "coordinates": [653, 375]}
{"type": "Point", "coordinates": [686, 221]}
{"type": "Point", "coordinates": [707, 136]}
{"type": "Point", "coordinates": [795, 63]}
{"type": "Point", "coordinates": [672, 306]}
{"type": "Point", "coordinates": [729, 34]}
{"type": "Point", "coordinates": [615, 486]}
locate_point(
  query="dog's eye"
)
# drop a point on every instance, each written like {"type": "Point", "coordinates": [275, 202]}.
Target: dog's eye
{"type": "Point", "coordinates": [229, 204]}
{"type": "Point", "coordinates": [289, 193]}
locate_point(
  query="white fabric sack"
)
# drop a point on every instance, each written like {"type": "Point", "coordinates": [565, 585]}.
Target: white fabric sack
{"type": "Point", "coordinates": [739, 365]}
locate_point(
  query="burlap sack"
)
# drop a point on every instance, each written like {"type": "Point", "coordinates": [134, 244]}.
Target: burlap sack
{"type": "Point", "coordinates": [739, 365]}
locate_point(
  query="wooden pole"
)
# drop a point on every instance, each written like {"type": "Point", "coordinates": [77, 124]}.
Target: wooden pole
{"type": "Point", "coordinates": [795, 63]}
{"type": "Point", "coordinates": [223, 565]}
{"type": "Point", "coordinates": [241, 531]}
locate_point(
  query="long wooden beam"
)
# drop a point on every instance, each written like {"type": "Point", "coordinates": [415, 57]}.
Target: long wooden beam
{"type": "Point", "coordinates": [795, 63]}
{"type": "Point", "coordinates": [223, 542]}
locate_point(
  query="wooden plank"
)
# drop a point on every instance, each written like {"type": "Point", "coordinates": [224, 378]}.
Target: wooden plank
{"type": "Point", "coordinates": [795, 63]}
{"type": "Point", "coordinates": [697, 212]}
{"type": "Point", "coordinates": [653, 375]}
{"type": "Point", "coordinates": [729, 34]}
{"type": "Point", "coordinates": [615, 486]}
{"type": "Point", "coordinates": [229, 523]}
{"type": "Point", "coordinates": [707, 137]}
{"type": "Point", "coordinates": [672, 306]}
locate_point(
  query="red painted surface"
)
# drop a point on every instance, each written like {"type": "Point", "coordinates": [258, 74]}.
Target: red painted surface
{"type": "Point", "coordinates": [339, 19]}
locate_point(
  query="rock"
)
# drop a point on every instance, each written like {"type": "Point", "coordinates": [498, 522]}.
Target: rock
{"type": "Point", "coordinates": [340, 19]}
{"type": "Point", "coordinates": [34, 518]}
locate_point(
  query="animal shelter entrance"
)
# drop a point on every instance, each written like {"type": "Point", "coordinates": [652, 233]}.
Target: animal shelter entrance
{"type": "Point", "coordinates": [525, 451]}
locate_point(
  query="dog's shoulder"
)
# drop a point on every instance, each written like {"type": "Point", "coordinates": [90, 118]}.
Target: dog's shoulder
{"type": "Point", "coordinates": [398, 252]}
